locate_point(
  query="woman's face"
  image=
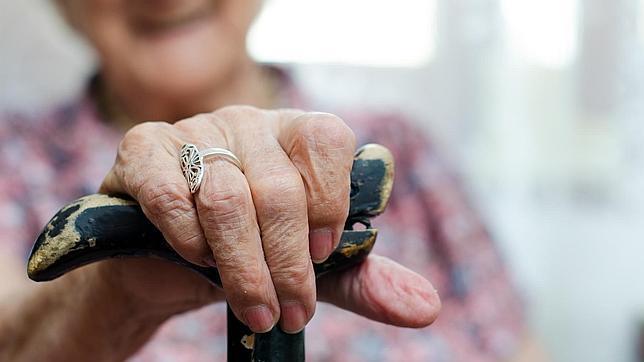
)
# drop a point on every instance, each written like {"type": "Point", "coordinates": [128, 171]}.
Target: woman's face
{"type": "Point", "coordinates": [175, 46]}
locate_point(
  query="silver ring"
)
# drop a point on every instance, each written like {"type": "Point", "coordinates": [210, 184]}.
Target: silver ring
{"type": "Point", "coordinates": [191, 160]}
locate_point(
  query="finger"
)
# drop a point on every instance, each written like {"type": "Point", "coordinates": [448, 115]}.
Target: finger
{"type": "Point", "coordinates": [383, 290]}
{"type": "Point", "coordinates": [147, 168]}
{"type": "Point", "coordinates": [280, 202]}
{"type": "Point", "coordinates": [321, 146]}
{"type": "Point", "coordinates": [227, 216]}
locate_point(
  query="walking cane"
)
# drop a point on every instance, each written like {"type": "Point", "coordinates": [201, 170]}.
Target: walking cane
{"type": "Point", "coordinates": [98, 227]}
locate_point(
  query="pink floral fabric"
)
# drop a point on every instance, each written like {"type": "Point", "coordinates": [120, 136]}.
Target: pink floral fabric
{"type": "Point", "coordinates": [428, 226]}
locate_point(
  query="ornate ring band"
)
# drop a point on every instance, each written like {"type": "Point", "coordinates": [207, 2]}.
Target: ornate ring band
{"type": "Point", "coordinates": [191, 160]}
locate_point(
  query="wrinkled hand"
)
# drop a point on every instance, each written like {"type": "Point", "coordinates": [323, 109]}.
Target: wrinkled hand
{"type": "Point", "coordinates": [261, 228]}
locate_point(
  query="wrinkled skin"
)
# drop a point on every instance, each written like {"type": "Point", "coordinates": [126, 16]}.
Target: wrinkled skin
{"type": "Point", "coordinates": [263, 228]}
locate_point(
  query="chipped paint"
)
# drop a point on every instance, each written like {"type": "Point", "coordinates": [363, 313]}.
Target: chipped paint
{"type": "Point", "coordinates": [352, 249]}
{"type": "Point", "coordinates": [53, 248]}
{"type": "Point", "coordinates": [248, 341]}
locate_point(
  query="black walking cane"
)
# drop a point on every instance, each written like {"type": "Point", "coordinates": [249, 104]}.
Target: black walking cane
{"type": "Point", "coordinates": [98, 227]}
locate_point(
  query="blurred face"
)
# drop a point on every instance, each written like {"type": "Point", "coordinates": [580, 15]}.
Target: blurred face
{"type": "Point", "coordinates": [170, 47]}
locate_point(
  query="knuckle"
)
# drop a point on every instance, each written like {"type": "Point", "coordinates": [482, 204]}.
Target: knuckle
{"type": "Point", "coordinates": [137, 146]}
{"type": "Point", "coordinates": [249, 282]}
{"type": "Point", "coordinates": [143, 132]}
{"type": "Point", "coordinates": [244, 119]}
{"type": "Point", "coordinates": [168, 205]}
{"type": "Point", "coordinates": [331, 194]}
{"type": "Point", "coordinates": [238, 112]}
{"type": "Point", "coordinates": [192, 246]}
{"type": "Point", "coordinates": [329, 210]}
{"type": "Point", "coordinates": [205, 127]}
{"type": "Point", "coordinates": [280, 191]}
{"type": "Point", "coordinates": [225, 209]}
{"type": "Point", "coordinates": [247, 286]}
{"type": "Point", "coordinates": [194, 121]}
{"type": "Point", "coordinates": [134, 140]}
{"type": "Point", "coordinates": [293, 279]}
{"type": "Point", "coordinates": [167, 202]}
{"type": "Point", "coordinates": [328, 131]}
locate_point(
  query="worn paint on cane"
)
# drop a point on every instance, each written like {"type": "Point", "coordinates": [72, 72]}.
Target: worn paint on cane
{"type": "Point", "coordinates": [60, 235]}
{"type": "Point", "coordinates": [248, 341]}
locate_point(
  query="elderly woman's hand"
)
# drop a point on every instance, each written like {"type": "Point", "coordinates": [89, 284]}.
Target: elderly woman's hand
{"type": "Point", "coordinates": [262, 227]}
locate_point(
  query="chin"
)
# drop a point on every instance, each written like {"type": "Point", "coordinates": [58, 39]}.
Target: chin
{"type": "Point", "coordinates": [192, 60]}
{"type": "Point", "coordinates": [186, 75]}
{"type": "Point", "coordinates": [180, 75]}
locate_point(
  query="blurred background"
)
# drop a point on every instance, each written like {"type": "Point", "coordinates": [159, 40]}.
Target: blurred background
{"type": "Point", "coordinates": [539, 104]}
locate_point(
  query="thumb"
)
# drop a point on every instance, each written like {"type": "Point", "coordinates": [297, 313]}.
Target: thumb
{"type": "Point", "coordinates": [382, 290]}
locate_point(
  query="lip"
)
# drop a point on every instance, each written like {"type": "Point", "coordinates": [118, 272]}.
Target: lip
{"type": "Point", "coordinates": [149, 21]}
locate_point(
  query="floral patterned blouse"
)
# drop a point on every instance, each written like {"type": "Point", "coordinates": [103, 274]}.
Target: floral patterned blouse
{"type": "Point", "coordinates": [47, 161]}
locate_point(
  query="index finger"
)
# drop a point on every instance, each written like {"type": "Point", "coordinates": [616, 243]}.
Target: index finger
{"type": "Point", "coordinates": [147, 168]}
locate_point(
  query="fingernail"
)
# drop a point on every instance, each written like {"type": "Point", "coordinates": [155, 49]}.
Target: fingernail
{"type": "Point", "coordinates": [293, 317]}
{"type": "Point", "coordinates": [321, 244]}
{"type": "Point", "coordinates": [210, 261]}
{"type": "Point", "coordinates": [259, 319]}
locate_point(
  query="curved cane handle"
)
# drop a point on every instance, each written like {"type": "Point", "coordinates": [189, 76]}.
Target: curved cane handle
{"type": "Point", "coordinates": [98, 227]}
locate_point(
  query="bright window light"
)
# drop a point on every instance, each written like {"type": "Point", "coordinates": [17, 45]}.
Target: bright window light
{"type": "Point", "coordinates": [543, 32]}
{"type": "Point", "coordinates": [640, 20]}
{"type": "Point", "coordinates": [363, 32]}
